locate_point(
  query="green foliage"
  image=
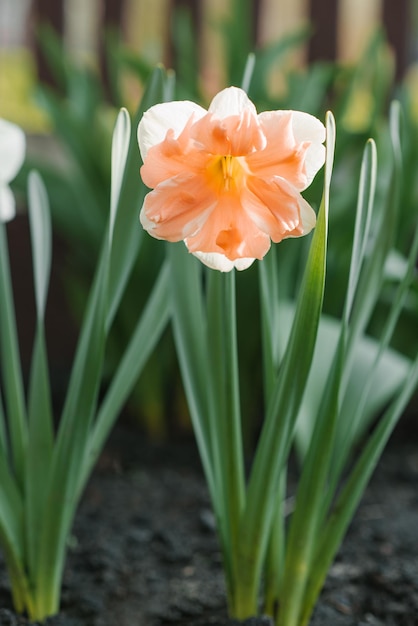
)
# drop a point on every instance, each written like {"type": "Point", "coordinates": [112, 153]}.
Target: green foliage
{"type": "Point", "coordinates": [43, 469]}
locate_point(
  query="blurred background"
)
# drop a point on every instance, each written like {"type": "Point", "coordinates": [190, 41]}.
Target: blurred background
{"type": "Point", "coordinates": [67, 66]}
{"type": "Point", "coordinates": [339, 30]}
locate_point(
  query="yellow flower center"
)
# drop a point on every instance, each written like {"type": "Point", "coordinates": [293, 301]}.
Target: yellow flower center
{"type": "Point", "coordinates": [226, 173]}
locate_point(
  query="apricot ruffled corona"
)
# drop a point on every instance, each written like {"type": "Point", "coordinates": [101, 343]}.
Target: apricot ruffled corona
{"type": "Point", "coordinates": [228, 181]}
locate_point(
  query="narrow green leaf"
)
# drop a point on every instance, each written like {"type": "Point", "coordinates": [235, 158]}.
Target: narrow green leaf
{"type": "Point", "coordinates": [72, 444]}
{"type": "Point", "coordinates": [120, 147]}
{"type": "Point", "coordinates": [40, 446]}
{"type": "Point", "coordinates": [4, 451]}
{"type": "Point", "coordinates": [387, 375]}
{"type": "Point", "coordinates": [382, 374]}
{"type": "Point", "coordinates": [12, 535]}
{"type": "Point", "coordinates": [148, 330]}
{"type": "Point", "coordinates": [40, 228]}
{"type": "Point", "coordinates": [189, 326]}
{"type": "Point", "coordinates": [347, 502]}
{"type": "Point", "coordinates": [285, 401]}
{"type": "Point", "coordinates": [127, 238]}
{"type": "Point", "coordinates": [367, 188]}
{"type": "Point", "coordinates": [70, 447]}
{"type": "Point", "coordinates": [11, 512]}
{"type": "Point", "coordinates": [40, 440]}
{"type": "Point", "coordinates": [10, 364]}
{"type": "Point", "coordinates": [248, 72]}
{"type": "Point", "coordinates": [370, 280]}
{"type": "Point", "coordinates": [308, 510]}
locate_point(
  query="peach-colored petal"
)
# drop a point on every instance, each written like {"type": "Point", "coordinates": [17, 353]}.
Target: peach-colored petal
{"type": "Point", "coordinates": [229, 230]}
{"type": "Point", "coordinates": [278, 209]}
{"type": "Point", "coordinates": [174, 156]}
{"type": "Point", "coordinates": [161, 118]}
{"type": "Point", "coordinates": [177, 208]}
{"type": "Point", "coordinates": [234, 135]}
{"type": "Point", "coordinates": [227, 181]}
{"type": "Point", "coordinates": [281, 156]}
{"type": "Point", "coordinates": [292, 133]}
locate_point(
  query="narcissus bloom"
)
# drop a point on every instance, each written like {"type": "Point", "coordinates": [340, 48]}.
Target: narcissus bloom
{"type": "Point", "coordinates": [227, 181]}
{"type": "Point", "coordinates": [12, 154]}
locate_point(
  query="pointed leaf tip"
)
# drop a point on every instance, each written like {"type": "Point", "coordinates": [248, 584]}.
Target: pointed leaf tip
{"type": "Point", "coordinates": [120, 147]}
{"type": "Point", "coordinates": [40, 227]}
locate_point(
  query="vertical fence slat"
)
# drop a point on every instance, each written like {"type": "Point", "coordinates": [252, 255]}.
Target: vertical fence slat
{"type": "Point", "coordinates": [49, 12]}
{"type": "Point", "coordinates": [396, 21]}
{"type": "Point", "coordinates": [112, 13]}
{"type": "Point", "coordinates": [323, 16]}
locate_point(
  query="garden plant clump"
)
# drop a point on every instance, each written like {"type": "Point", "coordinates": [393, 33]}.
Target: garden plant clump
{"type": "Point", "coordinates": [292, 394]}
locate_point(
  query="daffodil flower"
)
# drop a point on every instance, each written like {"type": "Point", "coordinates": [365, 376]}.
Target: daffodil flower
{"type": "Point", "coordinates": [227, 181]}
{"type": "Point", "coordinates": [12, 154]}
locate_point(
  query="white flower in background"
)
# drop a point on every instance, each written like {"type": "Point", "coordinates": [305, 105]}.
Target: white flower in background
{"type": "Point", "coordinates": [12, 155]}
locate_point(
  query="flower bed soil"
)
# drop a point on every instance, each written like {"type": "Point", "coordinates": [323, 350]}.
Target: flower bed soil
{"type": "Point", "coordinates": [144, 550]}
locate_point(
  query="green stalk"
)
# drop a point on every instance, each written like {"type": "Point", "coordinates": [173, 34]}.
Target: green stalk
{"type": "Point", "coordinates": [222, 341]}
{"type": "Point", "coordinates": [275, 560]}
{"type": "Point", "coordinates": [270, 320]}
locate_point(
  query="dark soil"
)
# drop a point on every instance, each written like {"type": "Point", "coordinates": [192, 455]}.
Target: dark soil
{"type": "Point", "coordinates": [144, 550]}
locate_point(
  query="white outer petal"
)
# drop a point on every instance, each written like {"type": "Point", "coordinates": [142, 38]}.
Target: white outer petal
{"type": "Point", "coordinates": [12, 150]}
{"type": "Point", "coordinates": [7, 204]}
{"type": "Point", "coordinates": [153, 127]}
{"type": "Point", "coordinates": [307, 216]}
{"type": "Point", "coordinates": [146, 223]}
{"type": "Point", "coordinates": [231, 101]}
{"type": "Point", "coordinates": [220, 262]}
{"type": "Point", "coordinates": [306, 127]}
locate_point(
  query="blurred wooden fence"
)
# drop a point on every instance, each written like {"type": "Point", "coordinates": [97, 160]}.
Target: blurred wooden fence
{"type": "Point", "coordinates": [341, 28]}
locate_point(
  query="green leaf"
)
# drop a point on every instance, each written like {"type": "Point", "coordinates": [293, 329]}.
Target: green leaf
{"type": "Point", "coordinates": [11, 514]}
{"type": "Point", "coordinates": [71, 445]}
{"type": "Point", "coordinates": [40, 447]}
{"type": "Point", "coordinates": [126, 237]}
{"type": "Point", "coordinates": [148, 330]}
{"type": "Point", "coordinates": [274, 443]}
{"type": "Point", "coordinates": [334, 529]}
{"type": "Point", "coordinates": [40, 441]}
{"type": "Point", "coordinates": [4, 452]}
{"type": "Point", "coordinates": [40, 228]}
{"type": "Point", "coordinates": [364, 211]}
{"type": "Point", "coordinates": [387, 376]}
{"type": "Point", "coordinates": [381, 241]}
{"type": "Point", "coordinates": [190, 335]}
{"type": "Point", "coordinates": [10, 365]}
{"type": "Point", "coordinates": [67, 472]}
{"type": "Point", "coordinates": [120, 147]}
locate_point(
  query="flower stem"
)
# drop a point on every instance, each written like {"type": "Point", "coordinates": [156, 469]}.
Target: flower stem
{"type": "Point", "coordinates": [223, 366]}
